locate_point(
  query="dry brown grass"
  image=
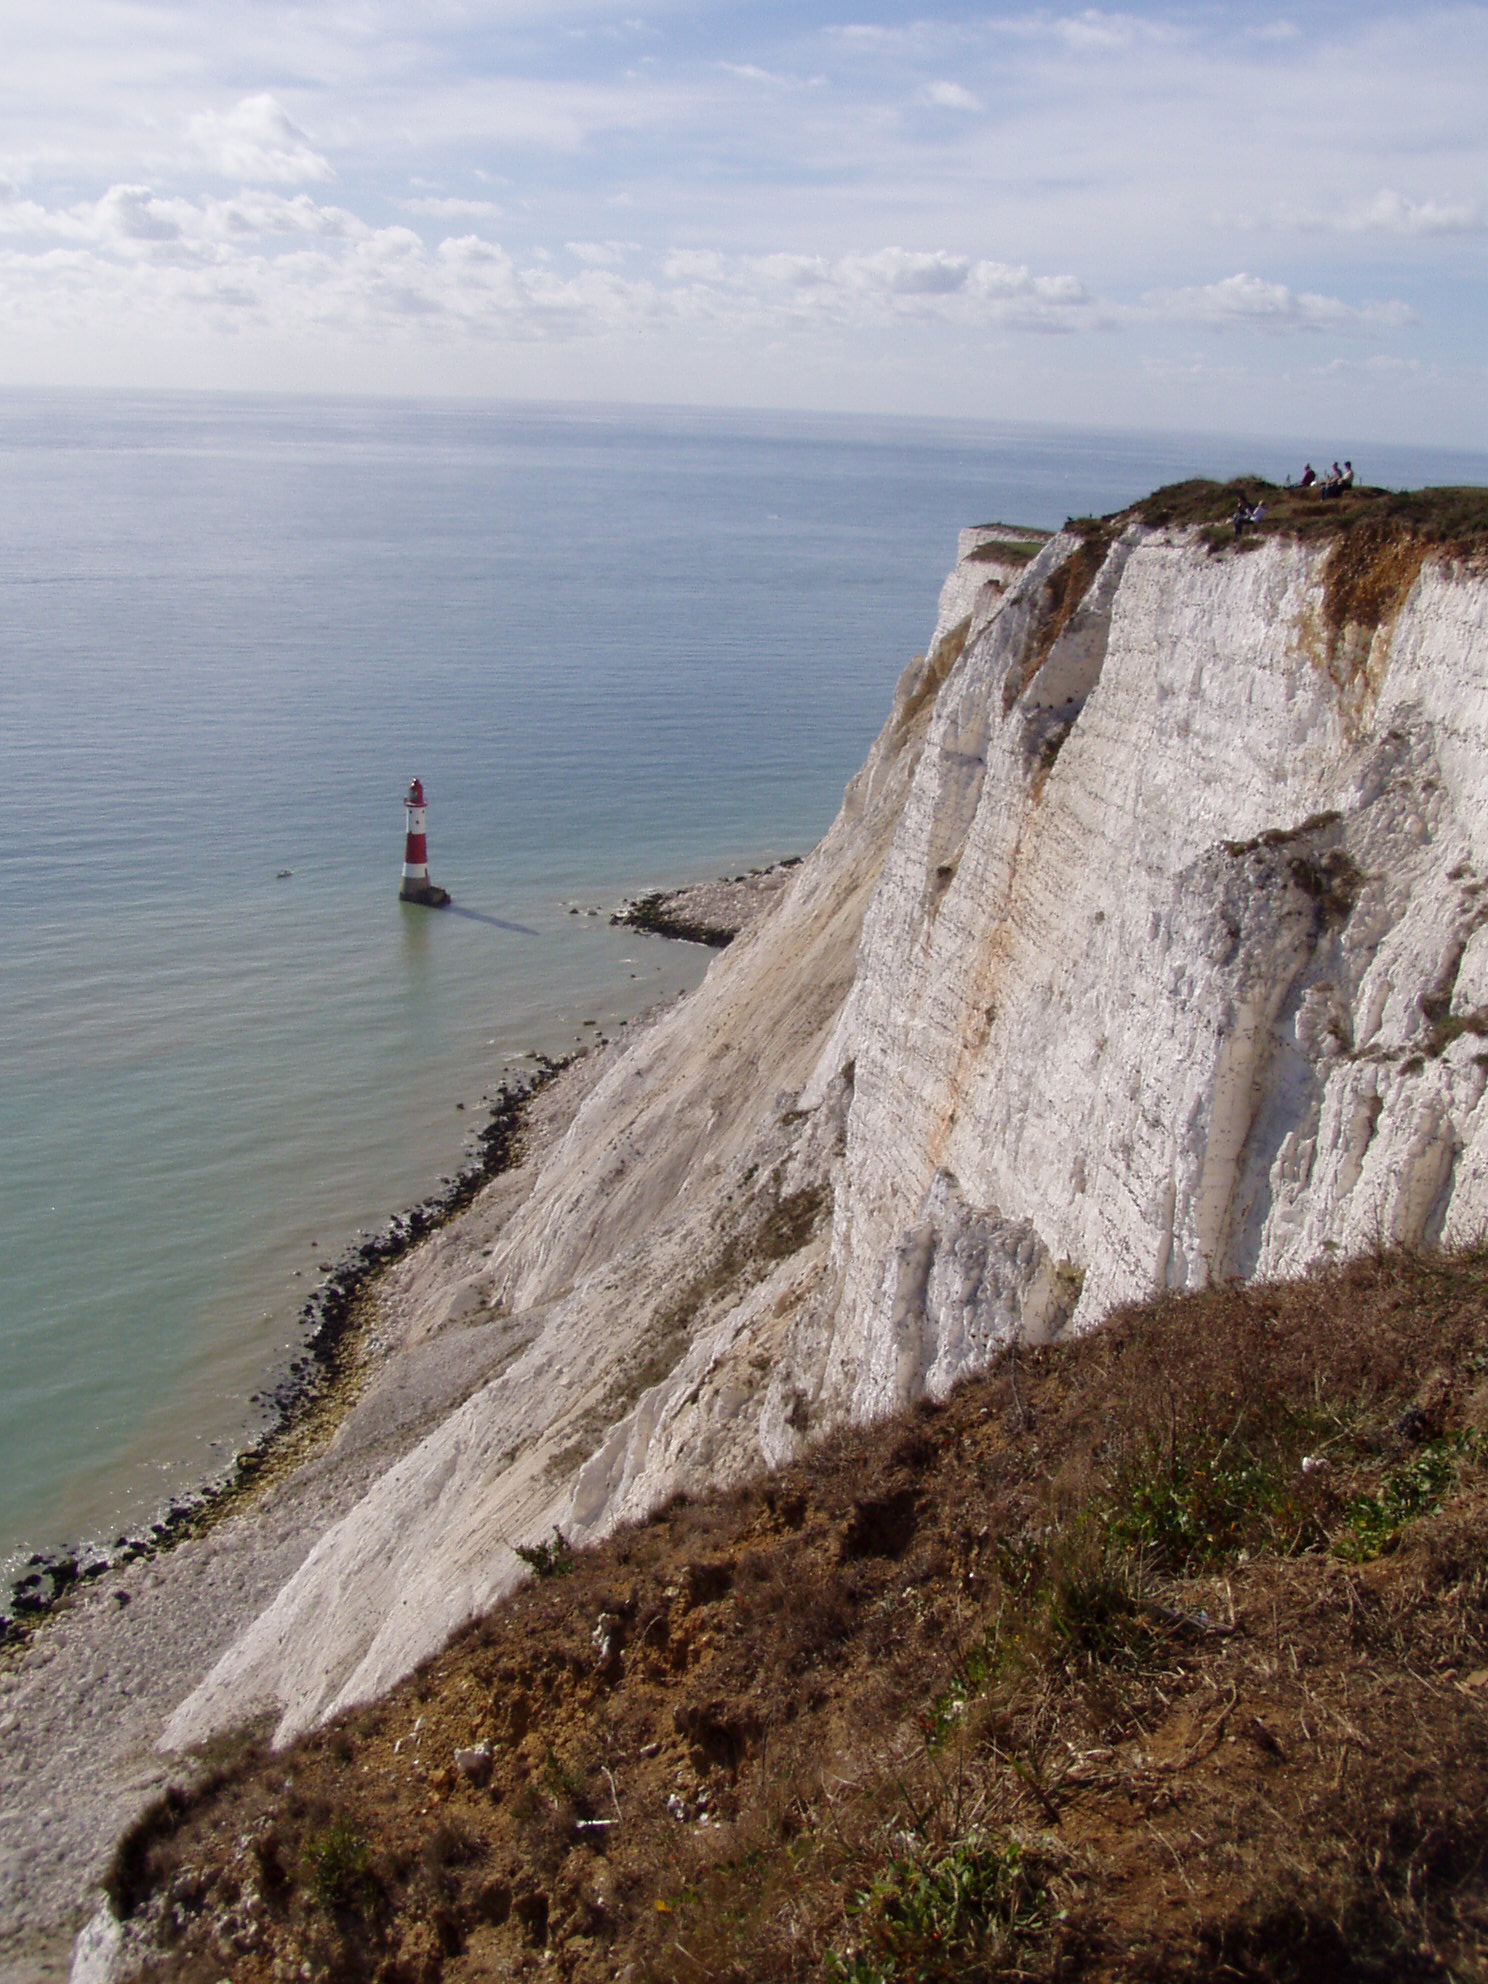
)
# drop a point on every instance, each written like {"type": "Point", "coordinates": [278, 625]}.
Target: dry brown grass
{"type": "Point", "coordinates": [1453, 521]}
{"type": "Point", "coordinates": [1081, 1675]}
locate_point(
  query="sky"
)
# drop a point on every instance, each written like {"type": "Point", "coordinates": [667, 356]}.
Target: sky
{"type": "Point", "coordinates": [1246, 218]}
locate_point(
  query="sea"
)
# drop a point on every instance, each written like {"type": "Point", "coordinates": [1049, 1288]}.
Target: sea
{"type": "Point", "coordinates": [622, 648]}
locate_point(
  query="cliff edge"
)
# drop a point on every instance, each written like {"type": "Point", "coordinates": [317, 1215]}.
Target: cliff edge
{"type": "Point", "coordinates": [1149, 948]}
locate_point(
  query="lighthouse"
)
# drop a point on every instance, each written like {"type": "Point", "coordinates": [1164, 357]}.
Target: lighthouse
{"type": "Point", "coordinates": [416, 886]}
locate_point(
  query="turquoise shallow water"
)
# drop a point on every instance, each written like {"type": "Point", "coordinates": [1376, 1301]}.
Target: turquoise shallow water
{"type": "Point", "coordinates": [621, 648]}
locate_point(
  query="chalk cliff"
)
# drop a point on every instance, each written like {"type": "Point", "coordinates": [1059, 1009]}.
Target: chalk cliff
{"type": "Point", "coordinates": [1150, 945]}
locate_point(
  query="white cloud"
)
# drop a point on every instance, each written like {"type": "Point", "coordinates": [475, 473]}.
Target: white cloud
{"type": "Point", "coordinates": [601, 254]}
{"type": "Point", "coordinates": [695, 265]}
{"type": "Point", "coordinates": [996, 280]}
{"type": "Point", "coordinates": [132, 213]}
{"type": "Point", "coordinates": [30, 217]}
{"type": "Point", "coordinates": [302, 268]}
{"type": "Point", "coordinates": [751, 72]}
{"type": "Point", "coordinates": [134, 221]}
{"type": "Point", "coordinates": [891, 284]}
{"type": "Point", "coordinates": [1095, 32]}
{"type": "Point", "coordinates": [1386, 213]}
{"type": "Point", "coordinates": [258, 213]}
{"type": "Point", "coordinates": [789, 271]}
{"type": "Point", "coordinates": [431, 206]}
{"type": "Point", "coordinates": [897, 272]}
{"type": "Point", "coordinates": [1393, 213]}
{"type": "Point", "coordinates": [256, 141]}
{"type": "Point", "coordinates": [949, 96]}
{"type": "Point", "coordinates": [1251, 302]}
{"type": "Point", "coordinates": [1378, 363]}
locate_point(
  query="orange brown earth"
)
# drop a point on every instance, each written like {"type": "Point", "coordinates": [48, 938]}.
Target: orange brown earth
{"type": "Point", "coordinates": [1158, 1654]}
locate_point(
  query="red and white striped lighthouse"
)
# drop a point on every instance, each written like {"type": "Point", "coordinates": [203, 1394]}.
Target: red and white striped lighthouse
{"type": "Point", "coordinates": [416, 886]}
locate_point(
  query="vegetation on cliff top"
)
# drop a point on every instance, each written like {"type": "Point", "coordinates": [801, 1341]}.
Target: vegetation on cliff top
{"type": "Point", "coordinates": [1161, 1654]}
{"type": "Point", "coordinates": [1453, 521]}
{"type": "Point", "coordinates": [1377, 541]}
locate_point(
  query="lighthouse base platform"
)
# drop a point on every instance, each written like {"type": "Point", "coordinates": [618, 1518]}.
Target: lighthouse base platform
{"type": "Point", "coordinates": [426, 893]}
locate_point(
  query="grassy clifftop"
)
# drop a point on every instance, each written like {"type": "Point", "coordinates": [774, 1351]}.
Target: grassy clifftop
{"type": "Point", "coordinates": [1452, 521]}
{"type": "Point", "coordinates": [1161, 1654]}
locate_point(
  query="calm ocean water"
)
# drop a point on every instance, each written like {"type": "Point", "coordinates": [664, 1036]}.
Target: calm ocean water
{"type": "Point", "coordinates": [620, 648]}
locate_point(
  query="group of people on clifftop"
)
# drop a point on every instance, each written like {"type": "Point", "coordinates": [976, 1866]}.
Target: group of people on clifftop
{"type": "Point", "coordinates": [1332, 484]}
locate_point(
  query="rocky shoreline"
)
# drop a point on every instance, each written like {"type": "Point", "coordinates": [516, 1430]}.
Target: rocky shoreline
{"type": "Point", "coordinates": [711, 913]}
{"type": "Point", "coordinates": [106, 1642]}
{"type": "Point", "coordinates": [90, 1675]}
{"type": "Point", "coordinates": [305, 1402]}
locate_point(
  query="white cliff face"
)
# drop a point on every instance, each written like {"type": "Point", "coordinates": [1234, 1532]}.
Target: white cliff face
{"type": "Point", "coordinates": [1150, 945]}
{"type": "Point", "coordinates": [1180, 1000]}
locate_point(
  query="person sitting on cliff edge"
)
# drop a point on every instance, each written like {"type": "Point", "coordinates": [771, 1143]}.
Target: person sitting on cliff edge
{"type": "Point", "coordinates": [1309, 477]}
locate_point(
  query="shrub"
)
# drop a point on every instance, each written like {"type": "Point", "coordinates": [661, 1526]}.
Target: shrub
{"type": "Point", "coordinates": [937, 1915]}
{"type": "Point", "coordinates": [1200, 1503]}
{"type": "Point", "coordinates": [1417, 1487]}
{"type": "Point", "coordinates": [547, 1560]}
{"type": "Point", "coordinates": [340, 1869]}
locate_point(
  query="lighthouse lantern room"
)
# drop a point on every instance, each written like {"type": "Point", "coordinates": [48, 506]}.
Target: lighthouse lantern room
{"type": "Point", "coordinates": [416, 886]}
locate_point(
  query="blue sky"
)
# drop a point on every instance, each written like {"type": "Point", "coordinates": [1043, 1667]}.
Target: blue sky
{"type": "Point", "coordinates": [1245, 217]}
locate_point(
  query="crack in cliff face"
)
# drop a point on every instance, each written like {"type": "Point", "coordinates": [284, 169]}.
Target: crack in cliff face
{"type": "Point", "coordinates": [1284, 898]}
{"type": "Point", "coordinates": [931, 676]}
{"type": "Point", "coordinates": [1060, 597]}
{"type": "Point", "coordinates": [1048, 643]}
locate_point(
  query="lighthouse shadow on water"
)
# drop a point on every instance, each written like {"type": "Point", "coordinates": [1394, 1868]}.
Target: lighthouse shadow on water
{"type": "Point", "coordinates": [495, 922]}
{"type": "Point", "coordinates": [416, 887]}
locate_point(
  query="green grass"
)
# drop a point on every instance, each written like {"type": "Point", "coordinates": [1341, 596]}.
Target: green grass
{"type": "Point", "coordinates": [1093, 1610]}
{"type": "Point", "coordinates": [1372, 1524]}
{"type": "Point", "coordinates": [1002, 552]}
{"type": "Point", "coordinates": [1200, 1504]}
{"type": "Point", "coordinates": [974, 1674]}
{"type": "Point", "coordinates": [941, 1915]}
